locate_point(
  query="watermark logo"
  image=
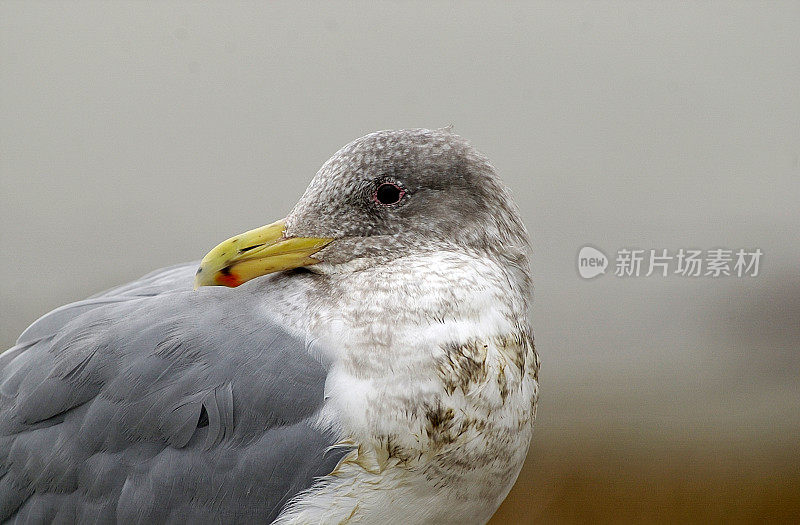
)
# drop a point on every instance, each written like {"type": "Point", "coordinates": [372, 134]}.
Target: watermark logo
{"type": "Point", "coordinates": [591, 262]}
{"type": "Point", "coordinates": [629, 262]}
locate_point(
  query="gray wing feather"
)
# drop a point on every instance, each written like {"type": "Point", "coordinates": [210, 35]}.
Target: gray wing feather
{"type": "Point", "coordinates": [181, 406]}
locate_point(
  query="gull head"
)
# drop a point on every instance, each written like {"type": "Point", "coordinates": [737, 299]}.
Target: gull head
{"type": "Point", "coordinates": [384, 196]}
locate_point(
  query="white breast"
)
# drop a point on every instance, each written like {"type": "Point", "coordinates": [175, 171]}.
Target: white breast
{"type": "Point", "coordinates": [435, 384]}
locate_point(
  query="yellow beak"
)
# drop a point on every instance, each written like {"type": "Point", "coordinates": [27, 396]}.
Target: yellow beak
{"type": "Point", "coordinates": [256, 253]}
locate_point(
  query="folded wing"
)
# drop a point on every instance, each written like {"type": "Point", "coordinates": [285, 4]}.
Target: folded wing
{"type": "Point", "coordinates": [154, 403]}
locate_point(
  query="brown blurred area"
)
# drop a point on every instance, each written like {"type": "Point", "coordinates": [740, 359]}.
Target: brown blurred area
{"type": "Point", "coordinates": [135, 135]}
{"type": "Point", "coordinates": [721, 447]}
{"type": "Point", "coordinates": [574, 481]}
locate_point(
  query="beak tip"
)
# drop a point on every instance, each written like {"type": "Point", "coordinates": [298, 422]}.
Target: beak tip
{"type": "Point", "coordinates": [198, 279]}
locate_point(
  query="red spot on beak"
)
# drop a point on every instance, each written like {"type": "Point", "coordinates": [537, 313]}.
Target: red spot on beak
{"type": "Point", "coordinates": [227, 279]}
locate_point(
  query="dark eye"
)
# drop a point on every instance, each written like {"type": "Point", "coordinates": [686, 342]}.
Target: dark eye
{"type": "Point", "coordinates": [389, 193]}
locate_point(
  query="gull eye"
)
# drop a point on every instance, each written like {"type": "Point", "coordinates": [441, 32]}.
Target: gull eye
{"type": "Point", "coordinates": [389, 193]}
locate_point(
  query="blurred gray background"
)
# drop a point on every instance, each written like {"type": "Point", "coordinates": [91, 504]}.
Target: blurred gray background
{"type": "Point", "coordinates": [137, 135]}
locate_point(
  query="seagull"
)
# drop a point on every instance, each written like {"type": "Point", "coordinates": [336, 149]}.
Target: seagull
{"type": "Point", "coordinates": [367, 359]}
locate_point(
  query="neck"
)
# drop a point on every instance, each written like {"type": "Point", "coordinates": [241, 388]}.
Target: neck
{"type": "Point", "coordinates": [419, 291]}
{"type": "Point", "coordinates": [368, 303]}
